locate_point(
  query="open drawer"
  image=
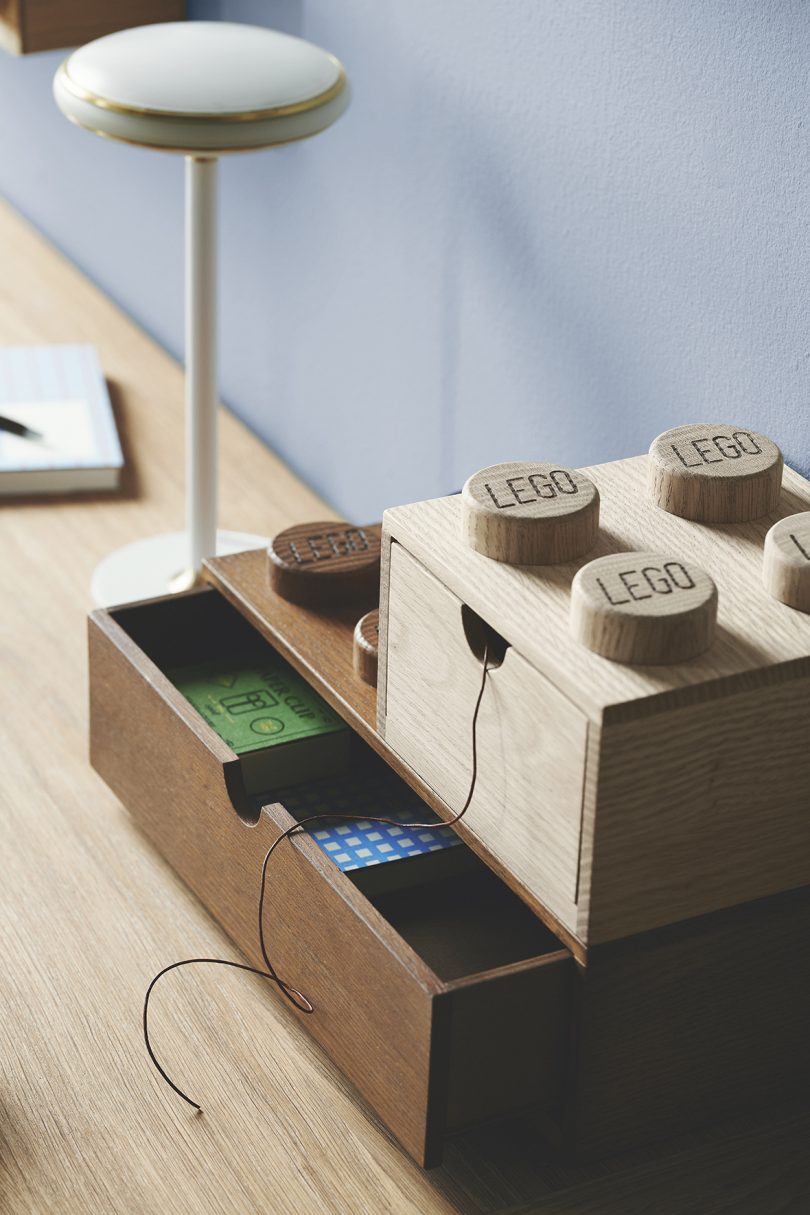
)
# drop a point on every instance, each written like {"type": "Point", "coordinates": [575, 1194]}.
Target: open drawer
{"type": "Point", "coordinates": [436, 990]}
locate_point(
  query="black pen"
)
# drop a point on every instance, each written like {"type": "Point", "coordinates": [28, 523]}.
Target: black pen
{"type": "Point", "coordinates": [18, 428]}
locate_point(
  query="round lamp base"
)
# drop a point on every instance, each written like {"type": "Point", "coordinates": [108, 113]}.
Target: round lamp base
{"type": "Point", "coordinates": [157, 566]}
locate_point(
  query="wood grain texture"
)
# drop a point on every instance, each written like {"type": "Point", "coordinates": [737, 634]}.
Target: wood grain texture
{"type": "Point", "coordinates": [527, 805]}
{"type": "Point", "coordinates": [643, 608]}
{"type": "Point", "coordinates": [429, 1055]}
{"type": "Point", "coordinates": [325, 564]}
{"type": "Point", "coordinates": [786, 561]}
{"type": "Point", "coordinates": [754, 632]}
{"type": "Point", "coordinates": [698, 809]}
{"type": "Point", "coordinates": [714, 473]}
{"type": "Point", "coordinates": [530, 514]}
{"type": "Point", "coordinates": [90, 910]}
{"type": "Point", "coordinates": [366, 647]}
{"type": "Point", "coordinates": [44, 25]}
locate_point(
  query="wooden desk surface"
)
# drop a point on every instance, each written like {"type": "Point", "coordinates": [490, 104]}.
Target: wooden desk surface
{"type": "Point", "coordinates": [90, 912]}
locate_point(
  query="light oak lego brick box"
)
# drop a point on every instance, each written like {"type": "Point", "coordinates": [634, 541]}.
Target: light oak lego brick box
{"type": "Point", "coordinates": [621, 797]}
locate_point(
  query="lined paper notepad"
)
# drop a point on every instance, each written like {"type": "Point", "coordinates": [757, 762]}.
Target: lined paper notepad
{"type": "Point", "coordinates": [59, 392]}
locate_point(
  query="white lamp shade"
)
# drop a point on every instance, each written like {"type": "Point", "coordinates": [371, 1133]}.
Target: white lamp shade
{"type": "Point", "coordinates": [202, 87]}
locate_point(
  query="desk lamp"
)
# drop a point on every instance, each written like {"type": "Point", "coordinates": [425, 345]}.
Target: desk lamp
{"type": "Point", "coordinates": [199, 89]}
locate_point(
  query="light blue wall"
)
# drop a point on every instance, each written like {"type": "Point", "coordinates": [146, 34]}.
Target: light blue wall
{"type": "Point", "coordinates": [544, 229]}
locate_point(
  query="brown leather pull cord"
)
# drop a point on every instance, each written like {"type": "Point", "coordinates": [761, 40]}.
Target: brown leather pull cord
{"type": "Point", "coordinates": [296, 997]}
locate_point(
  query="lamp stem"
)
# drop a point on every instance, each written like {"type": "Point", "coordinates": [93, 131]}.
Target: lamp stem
{"type": "Point", "coordinates": [201, 359]}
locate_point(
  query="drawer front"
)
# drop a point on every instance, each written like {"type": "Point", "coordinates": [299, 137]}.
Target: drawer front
{"type": "Point", "coordinates": [527, 806]}
{"type": "Point", "coordinates": [179, 781]}
{"type": "Point", "coordinates": [431, 1055]}
{"type": "Point", "coordinates": [375, 1002]}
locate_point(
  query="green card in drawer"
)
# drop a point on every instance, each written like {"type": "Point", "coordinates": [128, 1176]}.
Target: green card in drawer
{"type": "Point", "coordinates": [268, 715]}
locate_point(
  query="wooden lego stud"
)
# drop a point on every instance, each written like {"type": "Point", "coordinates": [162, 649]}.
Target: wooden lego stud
{"type": "Point", "coordinates": [643, 608]}
{"type": "Point", "coordinates": [530, 514]}
{"type": "Point", "coordinates": [786, 561]}
{"type": "Point", "coordinates": [712, 473]}
{"type": "Point", "coordinates": [326, 565]}
{"type": "Point", "coordinates": [366, 647]}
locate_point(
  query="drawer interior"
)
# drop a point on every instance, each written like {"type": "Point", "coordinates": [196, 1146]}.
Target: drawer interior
{"type": "Point", "coordinates": [457, 915]}
{"type": "Point", "coordinates": [444, 903]}
{"type": "Point", "coordinates": [442, 900]}
{"type": "Point", "coordinates": [184, 629]}
{"type": "Point", "coordinates": [276, 728]}
{"type": "Point", "coordinates": [500, 981]}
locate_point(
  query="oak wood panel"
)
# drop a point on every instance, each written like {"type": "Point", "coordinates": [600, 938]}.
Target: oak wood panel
{"type": "Point", "coordinates": [527, 805]}
{"type": "Point", "coordinates": [700, 808]}
{"type": "Point", "coordinates": [754, 631]}
{"type": "Point", "coordinates": [696, 773]}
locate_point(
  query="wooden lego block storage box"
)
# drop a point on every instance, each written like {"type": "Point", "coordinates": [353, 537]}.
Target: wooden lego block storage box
{"type": "Point", "coordinates": [621, 944]}
{"type": "Point", "coordinates": [620, 797]}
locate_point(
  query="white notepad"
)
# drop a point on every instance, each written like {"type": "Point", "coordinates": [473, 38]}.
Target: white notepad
{"type": "Point", "coordinates": [59, 392]}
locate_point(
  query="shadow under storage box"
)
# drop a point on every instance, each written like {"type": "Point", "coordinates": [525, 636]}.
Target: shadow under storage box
{"type": "Point", "coordinates": [617, 942]}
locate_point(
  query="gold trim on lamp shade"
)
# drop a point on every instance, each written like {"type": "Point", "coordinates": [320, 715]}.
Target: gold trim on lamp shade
{"type": "Point", "coordinates": [281, 111]}
{"type": "Point", "coordinates": [194, 153]}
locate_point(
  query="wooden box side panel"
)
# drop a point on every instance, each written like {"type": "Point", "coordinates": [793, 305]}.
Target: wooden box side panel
{"type": "Point", "coordinates": [45, 25]}
{"type": "Point", "coordinates": [174, 788]}
{"type": "Point", "coordinates": [700, 808]}
{"type": "Point", "coordinates": [692, 1024]}
{"type": "Point", "coordinates": [509, 1042]}
{"type": "Point", "coordinates": [531, 740]}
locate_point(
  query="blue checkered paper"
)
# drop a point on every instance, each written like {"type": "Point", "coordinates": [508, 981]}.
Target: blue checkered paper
{"type": "Point", "coordinates": [356, 845]}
